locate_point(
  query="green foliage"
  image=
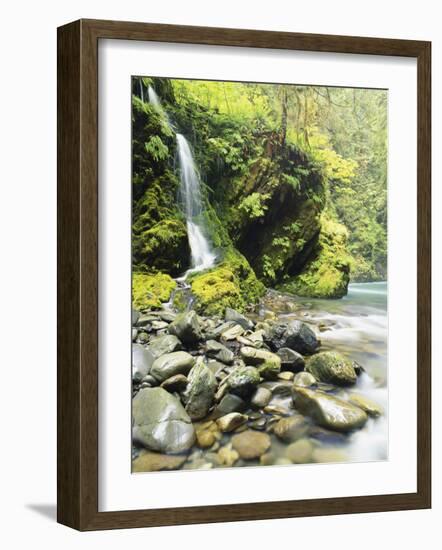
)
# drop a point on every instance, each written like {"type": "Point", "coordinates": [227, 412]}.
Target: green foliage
{"type": "Point", "coordinates": [326, 274]}
{"type": "Point", "coordinates": [156, 149]}
{"type": "Point", "coordinates": [254, 205]}
{"type": "Point", "coordinates": [150, 290]}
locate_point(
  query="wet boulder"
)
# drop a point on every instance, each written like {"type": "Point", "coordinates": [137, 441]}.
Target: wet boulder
{"type": "Point", "coordinates": [160, 422]}
{"type": "Point", "coordinates": [170, 364]}
{"type": "Point", "coordinates": [332, 368]}
{"type": "Point", "coordinates": [295, 335]}
{"type": "Point", "coordinates": [291, 360]}
{"type": "Point", "coordinates": [328, 411]}
{"type": "Point", "coordinates": [267, 363]}
{"type": "Point", "coordinates": [164, 344]}
{"type": "Point", "coordinates": [238, 318]}
{"type": "Point", "coordinates": [186, 327]}
{"type": "Point", "coordinates": [242, 381]}
{"type": "Point", "coordinates": [219, 352]}
{"type": "Point", "coordinates": [200, 391]}
{"type": "Point", "coordinates": [142, 361]}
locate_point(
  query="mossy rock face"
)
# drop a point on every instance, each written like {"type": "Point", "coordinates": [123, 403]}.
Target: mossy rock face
{"type": "Point", "coordinates": [327, 272]}
{"type": "Point", "coordinates": [165, 247]}
{"type": "Point", "coordinates": [231, 284]}
{"type": "Point", "coordinates": [149, 291]}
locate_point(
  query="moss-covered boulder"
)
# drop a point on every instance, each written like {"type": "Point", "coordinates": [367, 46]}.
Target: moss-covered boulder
{"type": "Point", "coordinates": [332, 368]}
{"type": "Point", "coordinates": [327, 272]}
{"type": "Point", "coordinates": [149, 290]}
{"type": "Point", "coordinates": [232, 283]}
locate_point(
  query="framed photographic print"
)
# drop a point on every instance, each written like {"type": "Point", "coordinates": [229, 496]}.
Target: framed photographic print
{"type": "Point", "coordinates": [243, 275]}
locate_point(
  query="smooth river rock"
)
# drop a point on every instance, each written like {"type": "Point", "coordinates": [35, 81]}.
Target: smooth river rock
{"type": "Point", "coordinates": [160, 422]}
{"type": "Point", "coordinates": [164, 344]}
{"type": "Point", "coordinates": [332, 368]}
{"type": "Point", "coordinates": [231, 421]}
{"type": "Point", "coordinates": [186, 327]}
{"type": "Point", "coordinates": [304, 379]}
{"type": "Point", "coordinates": [200, 391]}
{"type": "Point", "coordinates": [154, 462]}
{"type": "Point", "coordinates": [142, 361]}
{"type": "Point", "coordinates": [261, 398]}
{"type": "Point", "coordinates": [219, 352]}
{"type": "Point", "coordinates": [242, 381]}
{"type": "Point", "coordinates": [291, 360]}
{"type": "Point", "coordinates": [251, 444]}
{"type": "Point", "coordinates": [291, 429]}
{"type": "Point", "coordinates": [267, 363]}
{"type": "Point", "coordinates": [178, 362]}
{"type": "Point", "coordinates": [238, 318]}
{"type": "Point", "coordinates": [327, 410]}
{"type": "Point", "coordinates": [295, 335]}
{"type": "Point", "coordinates": [366, 404]}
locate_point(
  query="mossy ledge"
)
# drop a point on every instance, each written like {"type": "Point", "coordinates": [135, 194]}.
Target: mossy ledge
{"type": "Point", "coordinates": [150, 290]}
{"type": "Point", "coordinates": [232, 283]}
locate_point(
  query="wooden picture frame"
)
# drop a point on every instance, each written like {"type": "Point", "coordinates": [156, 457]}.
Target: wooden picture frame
{"type": "Point", "coordinates": [78, 274]}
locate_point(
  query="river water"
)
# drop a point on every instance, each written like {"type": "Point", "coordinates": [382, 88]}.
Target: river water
{"type": "Point", "coordinates": [356, 326]}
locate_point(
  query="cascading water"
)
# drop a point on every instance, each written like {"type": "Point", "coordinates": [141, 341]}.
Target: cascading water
{"type": "Point", "coordinates": [190, 191]}
{"type": "Point", "coordinates": [202, 257]}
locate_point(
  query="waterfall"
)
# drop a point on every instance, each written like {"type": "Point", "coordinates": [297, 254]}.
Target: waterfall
{"type": "Point", "coordinates": [202, 256]}
{"type": "Point", "coordinates": [190, 191]}
{"type": "Point", "coordinates": [141, 90]}
{"type": "Point", "coordinates": [153, 98]}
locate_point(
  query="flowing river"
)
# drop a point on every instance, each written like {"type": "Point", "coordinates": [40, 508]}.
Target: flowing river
{"type": "Point", "coordinates": [355, 325]}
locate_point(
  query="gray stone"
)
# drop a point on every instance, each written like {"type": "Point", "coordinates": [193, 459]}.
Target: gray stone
{"type": "Point", "coordinates": [268, 363]}
{"type": "Point", "coordinates": [200, 391]}
{"type": "Point", "coordinates": [160, 422]}
{"type": "Point", "coordinates": [304, 379]}
{"type": "Point", "coordinates": [186, 327]}
{"type": "Point", "coordinates": [232, 333]}
{"type": "Point", "coordinates": [229, 403]}
{"type": "Point", "coordinates": [135, 316]}
{"type": "Point", "coordinates": [242, 381]}
{"type": "Point", "coordinates": [332, 368]}
{"type": "Point", "coordinates": [178, 362]}
{"type": "Point", "coordinates": [164, 344]}
{"type": "Point", "coordinates": [261, 398]}
{"type": "Point", "coordinates": [239, 318]}
{"type": "Point", "coordinates": [291, 360]}
{"type": "Point", "coordinates": [142, 361]}
{"type": "Point", "coordinates": [219, 352]}
{"type": "Point", "coordinates": [296, 335]}
{"type": "Point", "coordinates": [327, 410]}
{"type": "Point", "coordinates": [176, 383]}
{"type": "Point", "coordinates": [167, 316]}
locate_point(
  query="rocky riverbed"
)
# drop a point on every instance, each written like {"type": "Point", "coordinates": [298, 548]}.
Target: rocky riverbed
{"type": "Point", "coordinates": [271, 387]}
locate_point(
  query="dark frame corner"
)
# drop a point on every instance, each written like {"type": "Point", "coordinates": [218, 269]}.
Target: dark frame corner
{"type": "Point", "coordinates": [77, 226]}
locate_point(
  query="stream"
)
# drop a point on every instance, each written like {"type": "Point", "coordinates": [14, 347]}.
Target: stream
{"type": "Point", "coordinates": [356, 326]}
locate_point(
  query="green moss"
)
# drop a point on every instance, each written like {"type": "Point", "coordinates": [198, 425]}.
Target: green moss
{"type": "Point", "coordinates": [327, 272]}
{"type": "Point", "coordinates": [150, 290]}
{"type": "Point", "coordinates": [163, 247]}
{"type": "Point", "coordinates": [232, 283]}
